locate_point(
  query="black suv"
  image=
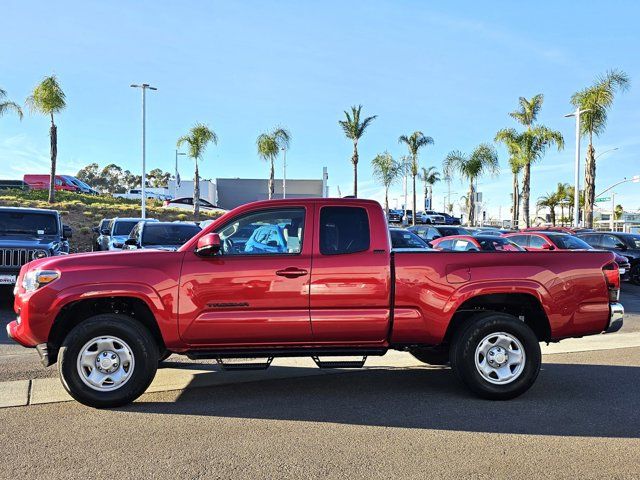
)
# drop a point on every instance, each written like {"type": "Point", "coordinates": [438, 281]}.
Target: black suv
{"type": "Point", "coordinates": [28, 234]}
{"type": "Point", "coordinates": [625, 244]}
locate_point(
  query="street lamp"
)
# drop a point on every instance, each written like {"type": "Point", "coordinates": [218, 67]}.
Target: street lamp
{"type": "Point", "coordinates": [606, 151]}
{"type": "Point", "coordinates": [177, 180]}
{"type": "Point", "coordinates": [144, 88]}
{"type": "Point", "coordinates": [284, 173]}
{"type": "Point", "coordinates": [576, 180]}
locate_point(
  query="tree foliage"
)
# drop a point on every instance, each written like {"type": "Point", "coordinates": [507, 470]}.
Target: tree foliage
{"type": "Point", "coordinates": [269, 145]}
{"type": "Point", "coordinates": [8, 105]}
{"type": "Point", "coordinates": [353, 128]}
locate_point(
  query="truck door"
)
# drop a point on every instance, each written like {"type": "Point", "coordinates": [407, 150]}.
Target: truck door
{"type": "Point", "coordinates": [350, 283]}
{"type": "Point", "coordinates": [256, 292]}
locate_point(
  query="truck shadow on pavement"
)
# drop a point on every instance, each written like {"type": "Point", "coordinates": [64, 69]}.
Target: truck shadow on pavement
{"type": "Point", "coordinates": [567, 400]}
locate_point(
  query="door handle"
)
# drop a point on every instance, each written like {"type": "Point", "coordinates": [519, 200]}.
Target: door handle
{"type": "Point", "coordinates": [292, 272]}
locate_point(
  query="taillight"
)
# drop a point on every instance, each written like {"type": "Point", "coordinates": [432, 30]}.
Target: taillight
{"type": "Point", "coordinates": [612, 277]}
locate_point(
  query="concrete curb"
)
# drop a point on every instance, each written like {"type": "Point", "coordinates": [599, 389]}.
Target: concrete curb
{"type": "Point", "coordinates": [49, 390]}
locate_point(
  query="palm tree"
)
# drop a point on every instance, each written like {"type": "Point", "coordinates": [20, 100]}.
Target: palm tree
{"type": "Point", "coordinates": [386, 170]}
{"type": "Point", "coordinates": [510, 138]}
{"type": "Point", "coordinates": [197, 140]}
{"type": "Point", "coordinates": [6, 105]}
{"type": "Point", "coordinates": [48, 98]}
{"type": "Point", "coordinates": [550, 201]}
{"type": "Point", "coordinates": [562, 194]}
{"type": "Point", "coordinates": [483, 160]}
{"type": "Point", "coordinates": [597, 99]}
{"type": "Point", "coordinates": [269, 146]}
{"type": "Point", "coordinates": [429, 176]}
{"type": "Point", "coordinates": [414, 143]}
{"type": "Point", "coordinates": [533, 143]}
{"type": "Point", "coordinates": [354, 129]}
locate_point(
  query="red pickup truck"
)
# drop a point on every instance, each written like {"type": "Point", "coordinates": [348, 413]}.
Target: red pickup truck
{"type": "Point", "coordinates": [307, 277]}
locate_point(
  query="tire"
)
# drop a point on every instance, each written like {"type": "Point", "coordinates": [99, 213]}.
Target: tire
{"type": "Point", "coordinates": [431, 356]}
{"type": "Point", "coordinates": [501, 337]}
{"type": "Point", "coordinates": [115, 382]}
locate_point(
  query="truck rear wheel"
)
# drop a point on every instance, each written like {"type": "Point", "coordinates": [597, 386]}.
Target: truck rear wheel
{"type": "Point", "coordinates": [107, 361]}
{"type": "Point", "coordinates": [496, 356]}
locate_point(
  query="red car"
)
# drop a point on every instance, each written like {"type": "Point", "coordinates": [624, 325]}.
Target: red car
{"type": "Point", "coordinates": [477, 243]}
{"type": "Point", "coordinates": [324, 283]}
{"type": "Point", "coordinates": [42, 181]}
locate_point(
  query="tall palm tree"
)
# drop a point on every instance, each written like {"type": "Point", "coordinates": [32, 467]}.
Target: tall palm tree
{"type": "Point", "coordinates": [414, 143]}
{"type": "Point", "coordinates": [48, 98]}
{"type": "Point", "coordinates": [562, 194]}
{"type": "Point", "coordinates": [197, 140]}
{"type": "Point", "coordinates": [353, 129]}
{"type": "Point", "coordinates": [385, 170]}
{"type": "Point", "coordinates": [6, 105]}
{"type": "Point", "coordinates": [429, 176]}
{"type": "Point", "coordinates": [550, 201]}
{"type": "Point", "coordinates": [511, 139]}
{"type": "Point", "coordinates": [269, 146]}
{"type": "Point", "coordinates": [483, 160]}
{"type": "Point", "coordinates": [597, 99]}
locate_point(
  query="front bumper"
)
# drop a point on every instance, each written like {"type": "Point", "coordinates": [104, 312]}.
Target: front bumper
{"type": "Point", "coordinates": [616, 317]}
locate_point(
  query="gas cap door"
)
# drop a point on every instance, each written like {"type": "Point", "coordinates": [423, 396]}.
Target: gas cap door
{"type": "Point", "coordinates": [458, 273]}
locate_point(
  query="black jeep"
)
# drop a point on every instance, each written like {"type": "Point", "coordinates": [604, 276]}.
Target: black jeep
{"type": "Point", "coordinates": [27, 234]}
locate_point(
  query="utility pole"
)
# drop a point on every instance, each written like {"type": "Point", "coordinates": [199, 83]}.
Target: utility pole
{"type": "Point", "coordinates": [177, 179]}
{"type": "Point", "coordinates": [144, 88]}
{"type": "Point", "coordinates": [284, 173]}
{"type": "Point", "coordinates": [612, 224]}
{"type": "Point", "coordinates": [576, 178]}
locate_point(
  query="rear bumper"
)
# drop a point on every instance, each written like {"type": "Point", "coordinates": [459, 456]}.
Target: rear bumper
{"type": "Point", "coordinates": [616, 317]}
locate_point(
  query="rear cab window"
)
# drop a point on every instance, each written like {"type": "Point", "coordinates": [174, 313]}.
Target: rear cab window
{"type": "Point", "coordinates": [344, 230]}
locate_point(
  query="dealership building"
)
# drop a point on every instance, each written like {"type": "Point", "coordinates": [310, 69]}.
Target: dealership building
{"type": "Point", "coordinates": [228, 193]}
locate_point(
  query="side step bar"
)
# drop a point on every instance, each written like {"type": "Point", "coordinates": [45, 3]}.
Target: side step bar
{"type": "Point", "coordinates": [229, 364]}
{"type": "Point", "coordinates": [339, 363]}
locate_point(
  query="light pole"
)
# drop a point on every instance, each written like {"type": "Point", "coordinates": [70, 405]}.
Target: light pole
{"type": "Point", "coordinates": [634, 179]}
{"type": "Point", "coordinates": [177, 181]}
{"type": "Point", "coordinates": [606, 151]}
{"type": "Point", "coordinates": [144, 88]}
{"type": "Point", "coordinates": [576, 179]}
{"type": "Point", "coordinates": [284, 172]}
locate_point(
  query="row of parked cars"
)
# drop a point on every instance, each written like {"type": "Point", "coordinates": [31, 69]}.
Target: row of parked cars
{"type": "Point", "coordinates": [428, 217]}
{"type": "Point", "coordinates": [137, 233]}
{"type": "Point", "coordinates": [625, 246]}
{"type": "Point", "coordinates": [67, 183]}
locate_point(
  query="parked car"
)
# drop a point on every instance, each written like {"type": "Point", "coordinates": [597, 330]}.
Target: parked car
{"type": "Point", "coordinates": [41, 182]}
{"type": "Point", "coordinates": [488, 231]}
{"type": "Point", "coordinates": [395, 216]}
{"type": "Point", "coordinates": [150, 193]}
{"type": "Point", "coordinates": [28, 234]}
{"type": "Point", "coordinates": [82, 187]}
{"type": "Point", "coordinates": [450, 219]}
{"type": "Point", "coordinates": [97, 231]}
{"type": "Point", "coordinates": [430, 217]}
{"type": "Point", "coordinates": [484, 243]}
{"type": "Point", "coordinates": [551, 240]}
{"type": "Point", "coordinates": [338, 289]}
{"type": "Point", "coordinates": [160, 235]}
{"type": "Point", "coordinates": [625, 244]}
{"type": "Point", "coordinates": [114, 236]}
{"type": "Point", "coordinates": [559, 229]}
{"type": "Point", "coordinates": [403, 239]}
{"type": "Point", "coordinates": [187, 203]}
{"type": "Point", "coordinates": [13, 185]}
{"type": "Point", "coordinates": [428, 233]}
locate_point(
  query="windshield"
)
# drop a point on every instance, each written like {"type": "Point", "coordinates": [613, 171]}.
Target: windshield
{"type": "Point", "coordinates": [28, 223]}
{"type": "Point", "coordinates": [633, 241]}
{"type": "Point", "coordinates": [406, 239]}
{"type": "Point", "coordinates": [158, 234]}
{"type": "Point", "coordinates": [124, 227]}
{"type": "Point", "coordinates": [569, 243]}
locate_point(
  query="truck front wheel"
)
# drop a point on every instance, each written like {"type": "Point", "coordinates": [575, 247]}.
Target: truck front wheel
{"type": "Point", "coordinates": [107, 361]}
{"type": "Point", "coordinates": [497, 356]}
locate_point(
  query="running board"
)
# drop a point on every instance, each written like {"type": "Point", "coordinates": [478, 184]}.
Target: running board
{"type": "Point", "coordinates": [229, 363]}
{"type": "Point", "coordinates": [339, 363]}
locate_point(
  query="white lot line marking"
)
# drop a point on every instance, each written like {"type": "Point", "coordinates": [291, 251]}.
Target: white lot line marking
{"type": "Point", "coordinates": [50, 390]}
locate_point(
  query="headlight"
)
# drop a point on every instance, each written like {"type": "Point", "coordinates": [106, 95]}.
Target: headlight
{"type": "Point", "coordinates": [40, 254]}
{"type": "Point", "coordinates": [34, 279]}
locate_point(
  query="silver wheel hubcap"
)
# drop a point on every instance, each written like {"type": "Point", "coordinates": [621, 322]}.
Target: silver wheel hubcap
{"type": "Point", "coordinates": [500, 358]}
{"type": "Point", "coordinates": [105, 363]}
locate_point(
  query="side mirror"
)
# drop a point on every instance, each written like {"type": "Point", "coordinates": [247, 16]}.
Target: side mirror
{"type": "Point", "coordinates": [546, 246]}
{"type": "Point", "coordinates": [208, 245]}
{"type": "Point", "coordinates": [436, 237]}
{"type": "Point", "coordinates": [131, 242]}
{"type": "Point", "coordinates": [105, 231]}
{"type": "Point", "coordinates": [66, 231]}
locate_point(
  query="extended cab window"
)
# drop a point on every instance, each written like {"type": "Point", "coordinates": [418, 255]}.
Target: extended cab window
{"type": "Point", "coordinates": [270, 232]}
{"type": "Point", "coordinates": [343, 230]}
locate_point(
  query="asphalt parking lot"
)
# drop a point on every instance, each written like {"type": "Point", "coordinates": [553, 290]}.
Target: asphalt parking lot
{"type": "Point", "coordinates": [580, 420]}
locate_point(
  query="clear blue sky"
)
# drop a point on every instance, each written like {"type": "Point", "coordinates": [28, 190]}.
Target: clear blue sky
{"type": "Point", "coordinates": [451, 69]}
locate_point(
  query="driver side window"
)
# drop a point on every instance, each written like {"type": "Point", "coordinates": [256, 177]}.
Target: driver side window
{"type": "Point", "coordinates": [270, 232]}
